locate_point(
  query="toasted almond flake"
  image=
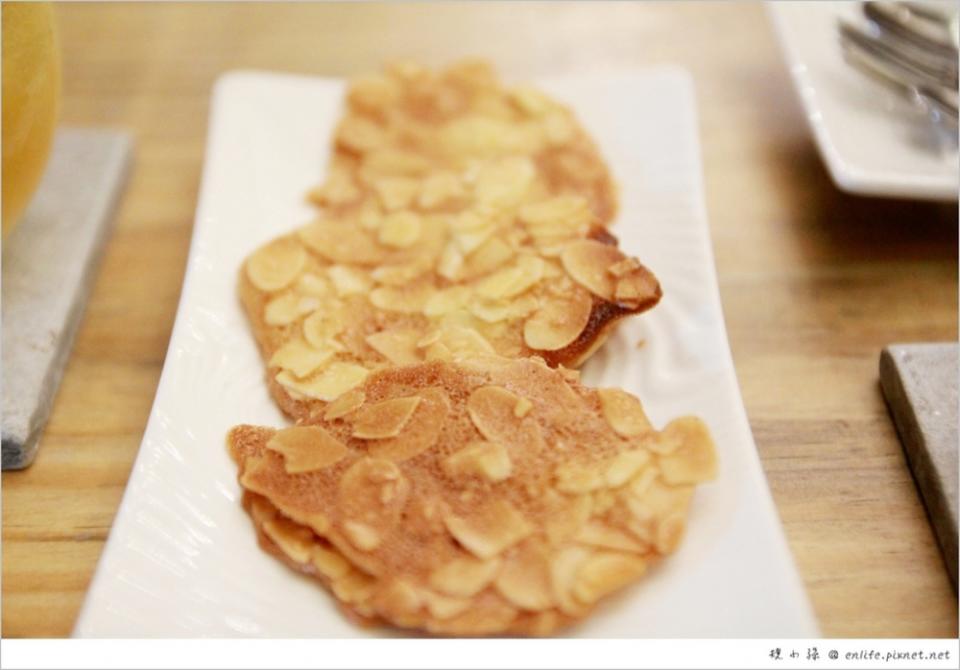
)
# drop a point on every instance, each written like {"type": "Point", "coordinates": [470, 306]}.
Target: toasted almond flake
{"type": "Point", "coordinates": [341, 242]}
{"type": "Point", "coordinates": [444, 607]}
{"type": "Point", "coordinates": [307, 448]}
{"type": "Point", "coordinates": [503, 184]}
{"type": "Point", "coordinates": [385, 418]}
{"type": "Point", "coordinates": [558, 128]}
{"type": "Point", "coordinates": [513, 280]}
{"type": "Point", "coordinates": [349, 280]}
{"type": "Point", "coordinates": [275, 265]}
{"type": "Point", "coordinates": [396, 193]}
{"type": "Point", "coordinates": [587, 262]}
{"type": "Point", "coordinates": [558, 322]}
{"type": "Point", "coordinates": [373, 92]}
{"type": "Point", "coordinates": [695, 459]}
{"type": "Point", "coordinates": [408, 299]}
{"type": "Point", "coordinates": [599, 534]}
{"type": "Point", "coordinates": [287, 308]}
{"type": "Point", "coordinates": [558, 218]}
{"type": "Point", "coordinates": [329, 563]}
{"type": "Point", "coordinates": [439, 189]}
{"type": "Point", "coordinates": [362, 536]}
{"type": "Point", "coordinates": [470, 240]}
{"type": "Point", "coordinates": [524, 579]}
{"type": "Point", "coordinates": [355, 587]}
{"type": "Point", "coordinates": [397, 346]}
{"type": "Point", "coordinates": [604, 573]}
{"type": "Point", "coordinates": [464, 577]}
{"type": "Point", "coordinates": [447, 300]}
{"type": "Point", "coordinates": [312, 285]}
{"type": "Point", "coordinates": [487, 257]}
{"type": "Point", "coordinates": [563, 577]}
{"type": "Point", "coordinates": [624, 466]}
{"type": "Point", "coordinates": [495, 311]}
{"type": "Point", "coordinates": [338, 189]}
{"type": "Point", "coordinates": [320, 329]}
{"type": "Point", "coordinates": [489, 529]}
{"type": "Point", "coordinates": [300, 358]}
{"type": "Point", "coordinates": [624, 267]}
{"type": "Point", "coordinates": [484, 459]}
{"type": "Point", "coordinates": [567, 516]}
{"type": "Point", "coordinates": [578, 478]}
{"type": "Point", "coordinates": [531, 101]}
{"type": "Point", "coordinates": [623, 412]}
{"type": "Point", "coordinates": [639, 287]}
{"type": "Point", "coordinates": [422, 430]}
{"type": "Point", "coordinates": [400, 229]}
{"type": "Point", "coordinates": [670, 533]}
{"type": "Point", "coordinates": [336, 379]}
{"type": "Point", "coordinates": [292, 539]}
{"type": "Point", "coordinates": [451, 261]}
{"type": "Point", "coordinates": [344, 405]}
{"type": "Point", "coordinates": [458, 341]}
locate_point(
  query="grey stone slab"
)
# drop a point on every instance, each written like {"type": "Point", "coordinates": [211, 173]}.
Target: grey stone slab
{"type": "Point", "coordinates": [920, 385]}
{"type": "Point", "coordinates": [49, 263]}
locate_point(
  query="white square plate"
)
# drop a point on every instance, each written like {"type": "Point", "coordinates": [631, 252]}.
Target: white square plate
{"type": "Point", "coordinates": [182, 558]}
{"type": "Point", "coordinates": [873, 142]}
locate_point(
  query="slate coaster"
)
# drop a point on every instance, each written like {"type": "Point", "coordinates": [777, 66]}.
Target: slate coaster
{"type": "Point", "coordinates": [49, 263]}
{"type": "Point", "coordinates": [920, 384]}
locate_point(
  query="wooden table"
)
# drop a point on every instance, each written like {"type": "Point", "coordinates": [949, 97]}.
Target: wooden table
{"type": "Point", "coordinates": [814, 282]}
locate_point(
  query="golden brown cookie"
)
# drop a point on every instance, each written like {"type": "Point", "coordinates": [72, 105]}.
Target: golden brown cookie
{"type": "Point", "coordinates": [480, 497]}
{"type": "Point", "coordinates": [410, 134]}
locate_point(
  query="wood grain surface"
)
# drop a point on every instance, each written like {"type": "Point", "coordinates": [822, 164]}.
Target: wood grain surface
{"type": "Point", "coordinates": [814, 282]}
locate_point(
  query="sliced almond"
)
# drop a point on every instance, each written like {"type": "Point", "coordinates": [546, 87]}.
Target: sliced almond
{"type": "Point", "coordinates": [362, 536]}
{"type": "Point", "coordinates": [511, 281]}
{"type": "Point", "coordinates": [503, 184]}
{"type": "Point", "coordinates": [563, 577]}
{"type": "Point", "coordinates": [439, 189]}
{"type": "Point", "coordinates": [346, 403]}
{"type": "Point", "coordinates": [300, 358]}
{"type": "Point", "coordinates": [328, 562]}
{"type": "Point", "coordinates": [496, 311]}
{"type": "Point", "coordinates": [623, 412]}
{"type": "Point", "coordinates": [312, 285]}
{"type": "Point", "coordinates": [399, 600]}
{"type": "Point", "coordinates": [669, 533]}
{"type": "Point", "coordinates": [421, 432]}
{"type": "Point", "coordinates": [341, 242]}
{"type": "Point", "coordinates": [396, 193]}
{"type": "Point", "coordinates": [450, 264]}
{"type": "Point", "coordinates": [397, 346]}
{"type": "Point", "coordinates": [604, 573]}
{"type": "Point", "coordinates": [484, 459]}
{"type": "Point", "coordinates": [531, 101]}
{"type": "Point", "coordinates": [320, 329]}
{"type": "Point", "coordinates": [445, 607]}
{"type": "Point", "coordinates": [558, 322]}
{"type": "Point", "coordinates": [638, 287]}
{"type": "Point", "coordinates": [447, 300]}
{"type": "Point", "coordinates": [457, 341]}
{"type": "Point", "coordinates": [349, 280]}
{"type": "Point", "coordinates": [557, 219]}
{"type": "Point", "coordinates": [400, 229]}
{"type": "Point", "coordinates": [524, 579]}
{"type": "Point", "coordinates": [695, 459]}
{"type": "Point", "coordinates": [579, 478]}
{"type": "Point", "coordinates": [625, 466]}
{"type": "Point", "coordinates": [354, 588]}
{"type": "Point", "coordinates": [385, 418]}
{"type": "Point", "coordinates": [487, 257]}
{"type": "Point", "coordinates": [558, 129]}
{"type": "Point", "coordinates": [336, 379]}
{"type": "Point", "coordinates": [374, 92]}
{"type": "Point", "coordinates": [588, 262]}
{"type": "Point", "coordinates": [287, 308]}
{"type": "Point", "coordinates": [464, 577]}
{"type": "Point", "coordinates": [567, 516]}
{"type": "Point", "coordinates": [338, 189]}
{"type": "Point", "coordinates": [599, 534]}
{"type": "Point", "coordinates": [470, 240]}
{"type": "Point", "coordinates": [492, 411]}
{"type": "Point", "coordinates": [275, 265]}
{"type": "Point", "coordinates": [293, 539]}
{"type": "Point", "coordinates": [408, 299]}
{"type": "Point", "coordinates": [307, 448]}
{"type": "Point", "coordinates": [488, 530]}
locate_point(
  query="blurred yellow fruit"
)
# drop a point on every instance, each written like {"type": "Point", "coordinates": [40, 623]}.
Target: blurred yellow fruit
{"type": "Point", "coordinates": [31, 92]}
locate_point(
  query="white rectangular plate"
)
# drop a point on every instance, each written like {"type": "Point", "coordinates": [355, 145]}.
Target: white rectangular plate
{"type": "Point", "coordinates": [182, 558]}
{"type": "Point", "coordinates": [873, 142]}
